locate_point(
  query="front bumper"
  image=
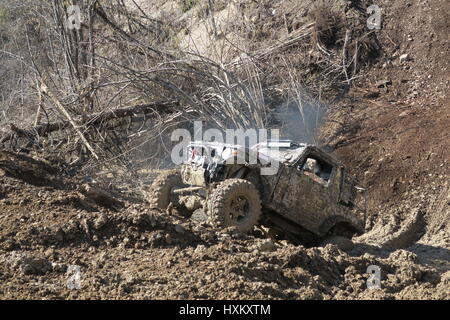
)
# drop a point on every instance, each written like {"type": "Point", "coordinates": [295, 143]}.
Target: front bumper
{"type": "Point", "coordinates": [193, 175]}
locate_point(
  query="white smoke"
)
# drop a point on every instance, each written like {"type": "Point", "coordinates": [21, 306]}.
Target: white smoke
{"type": "Point", "coordinates": [300, 120]}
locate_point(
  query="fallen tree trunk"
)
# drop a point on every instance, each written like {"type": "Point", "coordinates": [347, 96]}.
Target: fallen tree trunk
{"type": "Point", "coordinates": [44, 129]}
{"type": "Point", "coordinates": [72, 122]}
{"type": "Point", "coordinates": [100, 196]}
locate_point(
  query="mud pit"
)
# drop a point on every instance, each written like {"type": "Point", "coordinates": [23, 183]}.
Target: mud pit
{"type": "Point", "coordinates": [137, 253]}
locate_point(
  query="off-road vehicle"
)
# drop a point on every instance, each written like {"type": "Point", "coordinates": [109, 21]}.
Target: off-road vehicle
{"type": "Point", "coordinates": [309, 197]}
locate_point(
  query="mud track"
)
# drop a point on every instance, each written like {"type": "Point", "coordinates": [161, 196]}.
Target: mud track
{"type": "Point", "coordinates": [137, 253]}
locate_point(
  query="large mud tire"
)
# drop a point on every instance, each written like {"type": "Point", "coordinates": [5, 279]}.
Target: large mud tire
{"type": "Point", "coordinates": [237, 203]}
{"type": "Point", "coordinates": [160, 192]}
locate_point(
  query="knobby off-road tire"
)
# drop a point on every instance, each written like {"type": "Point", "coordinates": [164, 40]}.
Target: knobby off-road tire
{"type": "Point", "coordinates": [160, 191]}
{"type": "Point", "coordinates": [235, 202]}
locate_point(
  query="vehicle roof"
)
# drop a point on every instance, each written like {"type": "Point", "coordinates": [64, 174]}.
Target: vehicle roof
{"type": "Point", "coordinates": [284, 151]}
{"type": "Point", "coordinates": [213, 144]}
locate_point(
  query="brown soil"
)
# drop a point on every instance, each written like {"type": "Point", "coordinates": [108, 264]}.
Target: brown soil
{"type": "Point", "coordinates": [395, 139]}
{"type": "Point", "coordinates": [137, 253]}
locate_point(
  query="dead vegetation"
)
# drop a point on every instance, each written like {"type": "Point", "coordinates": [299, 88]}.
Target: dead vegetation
{"type": "Point", "coordinates": [96, 106]}
{"type": "Point", "coordinates": [140, 253]}
{"type": "Point", "coordinates": [328, 25]}
{"type": "Point", "coordinates": [114, 88]}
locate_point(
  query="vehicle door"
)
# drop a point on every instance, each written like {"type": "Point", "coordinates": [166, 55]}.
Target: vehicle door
{"type": "Point", "coordinates": [305, 191]}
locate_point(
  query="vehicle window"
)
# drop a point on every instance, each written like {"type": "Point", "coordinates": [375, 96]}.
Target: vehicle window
{"type": "Point", "coordinates": [317, 169]}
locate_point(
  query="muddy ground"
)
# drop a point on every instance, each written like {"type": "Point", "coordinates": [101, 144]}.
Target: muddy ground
{"type": "Point", "coordinates": [133, 252]}
{"type": "Point", "coordinates": [394, 138]}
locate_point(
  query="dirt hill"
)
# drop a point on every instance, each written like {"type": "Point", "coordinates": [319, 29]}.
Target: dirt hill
{"type": "Point", "coordinates": [390, 126]}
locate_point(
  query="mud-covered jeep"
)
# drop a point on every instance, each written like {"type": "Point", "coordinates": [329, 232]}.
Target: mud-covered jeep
{"type": "Point", "coordinates": [308, 197]}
